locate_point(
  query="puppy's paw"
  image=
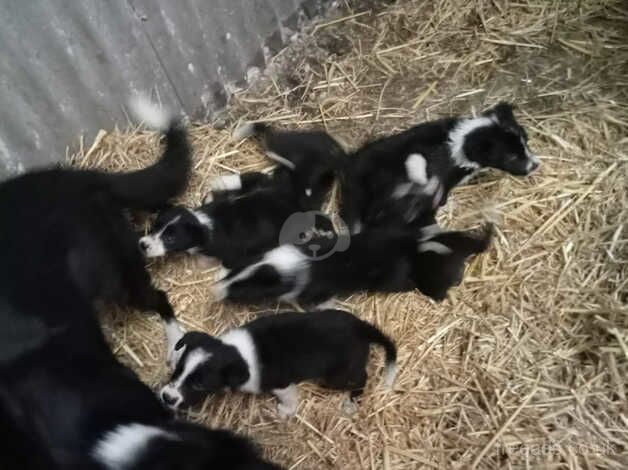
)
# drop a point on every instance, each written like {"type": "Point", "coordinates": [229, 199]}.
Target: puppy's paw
{"type": "Point", "coordinates": [349, 407]}
{"type": "Point", "coordinates": [285, 411]}
{"type": "Point", "coordinates": [204, 263]}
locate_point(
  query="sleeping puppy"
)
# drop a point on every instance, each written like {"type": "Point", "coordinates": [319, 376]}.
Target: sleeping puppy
{"type": "Point", "coordinates": [274, 353]}
{"type": "Point", "coordinates": [452, 149]}
{"type": "Point", "coordinates": [246, 213]}
{"type": "Point", "coordinates": [378, 260]}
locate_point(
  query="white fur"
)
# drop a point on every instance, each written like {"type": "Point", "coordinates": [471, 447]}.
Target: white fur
{"type": "Point", "coordinates": [390, 372]}
{"type": "Point", "coordinates": [288, 401]}
{"type": "Point", "coordinates": [243, 131]}
{"type": "Point", "coordinates": [120, 448]}
{"type": "Point", "coordinates": [241, 339]}
{"type": "Point", "coordinates": [150, 113]}
{"type": "Point", "coordinates": [308, 192]}
{"type": "Point", "coordinates": [349, 406]}
{"type": "Point", "coordinates": [429, 231]}
{"type": "Point", "coordinates": [402, 190]}
{"type": "Point", "coordinates": [416, 168]}
{"type": "Point", "coordinates": [203, 219]}
{"type": "Point", "coordinates": [281, 160]}
{"type": "Point", "coordinates": [458, 135]}
{"type": "Point", "coordinates": [226, 183]}
{"type": "Point", "coordinates": [286, 259]}
{"type": "Point", "coordinates": [155, 244]}
{"type": "Point", "coordinates": [328, 304]}
{"type": "Point", "coordinates": [193, 360]}
{"type": "Point", "coordinates": [436, 247]}
{"type": "Point", "coordinates": [155, 247]}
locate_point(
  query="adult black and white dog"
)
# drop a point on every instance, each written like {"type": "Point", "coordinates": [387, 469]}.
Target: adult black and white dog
{"type": "Point", "coordinates": [377, 260]}
{"type": "Point", "coordinates": [65, 401]}
{"type": "Point", "coordinates": [274, 353]}
{"type": "Point", "coordinates": [391, 169]}
{"type": "Point", "coordinates": [246, 213]}
{"type": "Point", "coordinates": [76, 220]}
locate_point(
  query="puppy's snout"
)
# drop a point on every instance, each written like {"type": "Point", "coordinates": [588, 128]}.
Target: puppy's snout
{"type": "Point", "coordinates": [169, 398]}
{"type": "Point", "coordinates": [143, 245]}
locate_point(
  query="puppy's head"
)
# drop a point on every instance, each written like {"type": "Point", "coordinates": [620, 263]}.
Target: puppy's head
{"type": "Point", "coordinates": [441, 258]}
{"type": "Point", "coordinates": [503, 144]}
{"type": "Point", "coordinates": [206, 366]}
{"type": "Point", "coordinates": [176, 229]}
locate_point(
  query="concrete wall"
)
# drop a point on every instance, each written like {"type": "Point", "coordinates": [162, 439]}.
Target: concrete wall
{"type": "Point", "coordinates": [68, 66]}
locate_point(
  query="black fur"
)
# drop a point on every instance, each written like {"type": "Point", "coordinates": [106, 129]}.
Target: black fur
{"type": "Point", "coordinates": [379, 260]}
{"type": "Point", "coordinates": [245, 222]}
{"type": "Point", "coordinates": [66, 243]}
{"type": "Point", "coordinates": [378, 168]}
{"type": "Point", "coordinates": [330, 347]}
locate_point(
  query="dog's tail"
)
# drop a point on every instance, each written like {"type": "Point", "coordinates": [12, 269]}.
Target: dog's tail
{"type": "Point", "coordinates": [376, 336]}
{"type": "Point", "coordinates": [152, 187]}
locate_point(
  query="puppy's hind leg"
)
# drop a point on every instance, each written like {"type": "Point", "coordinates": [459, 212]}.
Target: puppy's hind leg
{"type": "Point", "coordinates": [288, 401]}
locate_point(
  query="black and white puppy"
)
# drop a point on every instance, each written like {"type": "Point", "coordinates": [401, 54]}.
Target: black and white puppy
{"type": "Point", "coordinates": [247, 212]}
{"type": "Point", "coordinates": [377, 260]}
{"type": "Point", "coordinates": [385, 171]}
{"type": "Point", "coordinates": [274, 353]}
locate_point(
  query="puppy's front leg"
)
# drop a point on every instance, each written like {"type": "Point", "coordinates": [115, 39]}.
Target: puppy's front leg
{"type": "Point", "coordinates": [288, 400]}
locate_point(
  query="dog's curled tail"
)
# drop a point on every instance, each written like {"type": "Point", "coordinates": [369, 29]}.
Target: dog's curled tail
{"type": "Point", "coordinates": [152, 187]}
{"type": "Point", "coordinates": [376, 336]}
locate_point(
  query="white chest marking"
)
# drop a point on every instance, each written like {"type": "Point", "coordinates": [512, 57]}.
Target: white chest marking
{"type": "Point", "coordinates": [458, 135]}
{"type": "Point", "coordinates": [241, 339]}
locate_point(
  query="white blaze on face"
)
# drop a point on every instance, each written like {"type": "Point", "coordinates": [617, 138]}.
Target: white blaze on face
{"type": "Point", "coordinates": [153, 245]}
{"type": "Point", "coordinates": [171, 393]}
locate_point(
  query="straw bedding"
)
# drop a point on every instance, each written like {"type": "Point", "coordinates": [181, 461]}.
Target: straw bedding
{"type": "Point", "coordinates": [525, 365]}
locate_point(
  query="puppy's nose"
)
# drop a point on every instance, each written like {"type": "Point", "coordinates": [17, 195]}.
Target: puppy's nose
{"type": "Point", "coordinates": [143, 245]}
{"type": "Point", "coordinates": [168, 398]}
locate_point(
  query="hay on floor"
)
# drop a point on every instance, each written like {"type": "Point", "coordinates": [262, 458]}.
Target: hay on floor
{"type": "Point", "coordinates": [525, 365]}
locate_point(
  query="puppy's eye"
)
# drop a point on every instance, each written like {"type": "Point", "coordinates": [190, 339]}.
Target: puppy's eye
{"type": "Point", "coordinates": [197, 386]}
{"type": "Point", "coordinates": [168, 238]}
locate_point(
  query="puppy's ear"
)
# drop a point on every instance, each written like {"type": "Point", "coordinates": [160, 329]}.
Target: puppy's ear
{"type": "Point", "coordinates": [235, 373]}
{"type": "Point", "coordinates": [191, 339]}
{"type": "Point", "coordinates": [503, 111]}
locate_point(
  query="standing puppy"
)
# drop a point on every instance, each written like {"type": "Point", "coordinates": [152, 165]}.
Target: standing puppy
{"type": "Point", "coordinates": [274, 353]}
{"type": "Point", "coordinates": [451, 150]}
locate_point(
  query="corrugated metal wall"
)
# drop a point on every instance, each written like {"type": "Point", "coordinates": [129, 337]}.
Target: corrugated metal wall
{"type": "Point", "coordinates": [68, 66]}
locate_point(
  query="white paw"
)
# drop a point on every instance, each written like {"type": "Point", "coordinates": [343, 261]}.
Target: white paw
{"type": "Point", "coordinates": [221, 273]}
{"type": "Point", "coordinates": [205, 262]}
{"type": "Point", "coordinates": [209, 198]}
{"type": "Point", "coordinates": [349, 406]}
{"type": "Point", "coordinates": [285, 411]}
